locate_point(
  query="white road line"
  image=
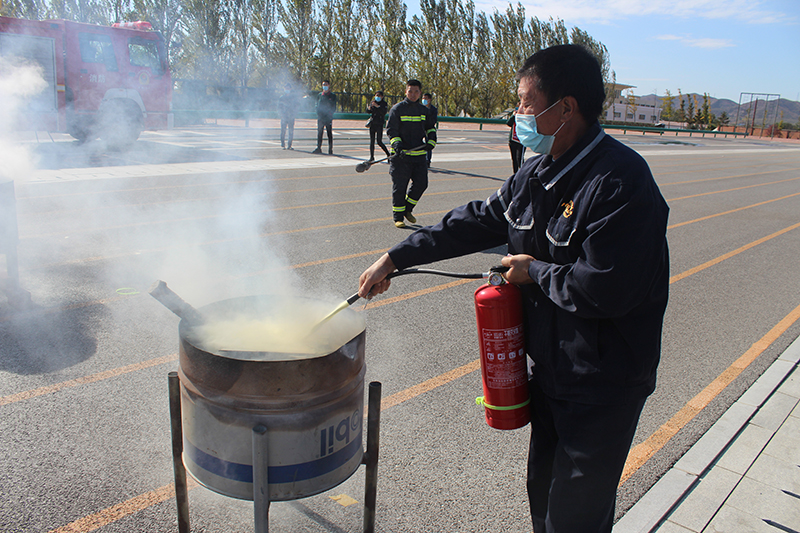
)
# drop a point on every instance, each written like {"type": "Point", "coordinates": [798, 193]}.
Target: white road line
{"type": "Point", "coordinates": [208, 167]}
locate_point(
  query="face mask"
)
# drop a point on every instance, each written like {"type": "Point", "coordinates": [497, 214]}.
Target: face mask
{"type": "Point", "coordinates": [377, 98]}
{"type": "Point", "coordinates": [424, 102]}
{"type": "Point", "coordinates": [325, 88]}
{"type": "Point", "coordinates": [530, 137]}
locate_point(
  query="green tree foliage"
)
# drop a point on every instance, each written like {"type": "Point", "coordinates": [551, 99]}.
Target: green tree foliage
{"type": "Point", "coordinates": [164, 15]}
{"type": "Point", "coordinates": [467, 58]}
{"type": "Point", "coordinates": [298, 42]}
{"type": "Point", "coordinates": [667, 112]}
{"type": "Point", "coordinates": [680, 115]}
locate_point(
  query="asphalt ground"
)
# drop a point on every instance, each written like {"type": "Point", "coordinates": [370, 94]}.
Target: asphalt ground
{"type": "Point", "coordinates": [220, 211]}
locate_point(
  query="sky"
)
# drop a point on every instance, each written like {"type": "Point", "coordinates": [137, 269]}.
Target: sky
{"type": "Point", "coordinates": [720, 47]}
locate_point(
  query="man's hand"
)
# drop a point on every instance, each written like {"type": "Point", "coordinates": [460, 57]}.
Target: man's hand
{"type": "Point", "coordinates": [373, 281]}
{"type": "Point", "coordinates": [397, 146]}
{"type": "Point", "coordinates": [429, 147]}
{"type": "Point", "coordinates": [518, 268]}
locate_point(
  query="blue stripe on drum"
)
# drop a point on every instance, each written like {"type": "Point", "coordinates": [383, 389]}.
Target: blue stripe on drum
{"type": "Point", "coordinates": [276, 474]}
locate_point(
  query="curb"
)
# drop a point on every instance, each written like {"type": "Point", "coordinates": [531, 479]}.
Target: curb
{"type": "Point", "coordinates": [663, 497]}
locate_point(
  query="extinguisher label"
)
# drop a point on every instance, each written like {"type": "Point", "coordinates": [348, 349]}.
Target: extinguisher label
{"type": "Point", "coordinates": [505, 358]}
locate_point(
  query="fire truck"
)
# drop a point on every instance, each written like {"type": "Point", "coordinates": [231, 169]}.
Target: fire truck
{"type": "Point", "coordinates": [107, 82]}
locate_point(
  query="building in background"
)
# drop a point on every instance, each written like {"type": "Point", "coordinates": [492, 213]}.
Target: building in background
{"type": "Point", "coordinates": [631, 108]}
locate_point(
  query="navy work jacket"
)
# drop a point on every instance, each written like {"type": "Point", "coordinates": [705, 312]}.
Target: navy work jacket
{"type": "Point", "coordinates": [595, 222]}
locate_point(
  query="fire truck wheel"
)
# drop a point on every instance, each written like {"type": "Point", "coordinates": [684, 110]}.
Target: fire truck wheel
{"type": "Point", "coordinates": [119, 124]}
{"type": "Point", "coordinates": [81, 135]}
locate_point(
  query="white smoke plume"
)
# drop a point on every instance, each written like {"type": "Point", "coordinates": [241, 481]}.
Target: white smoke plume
{"type": "Point", "coordinates": [19, 81]}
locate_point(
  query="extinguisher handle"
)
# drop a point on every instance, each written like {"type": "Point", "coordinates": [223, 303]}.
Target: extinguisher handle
{"type": "Point", "coordinates": [495, 269]}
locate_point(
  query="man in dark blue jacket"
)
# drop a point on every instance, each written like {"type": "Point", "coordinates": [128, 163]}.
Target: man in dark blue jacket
{"type": "Point", "coordinates": [585, 225]}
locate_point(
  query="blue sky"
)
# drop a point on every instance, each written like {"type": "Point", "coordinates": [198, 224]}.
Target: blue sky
{"type": "Point", "coordinates": [719, 47]}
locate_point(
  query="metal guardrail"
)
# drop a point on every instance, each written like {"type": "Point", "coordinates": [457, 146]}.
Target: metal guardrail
{"type": "Point", "coordinates": [676, 131]}
{"type": "Point", "coordinates": [247, 115]}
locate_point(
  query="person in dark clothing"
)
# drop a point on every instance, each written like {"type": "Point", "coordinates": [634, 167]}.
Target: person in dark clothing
{"type": "Point", "coordinates": [585, 225]}
{"type": "Point", "coordinates": [377, 109]}
{"type": "Point", "coordinates": [326, 107]}
{"type": "Point", "coordinates": [412, 133]}
{"type": "Point", "coordinates": [427, 101]}
{"type": "Point", "coordinates": [287, 107]}
{"type": "Point", "coordinates": [517, 149]}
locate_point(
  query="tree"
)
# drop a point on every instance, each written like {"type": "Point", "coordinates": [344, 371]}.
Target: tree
{"type": "Point", "coordinates": [241, 38]}
{"type": "Point", "coordinates": [205, 51]}
{"type": "Point", "coordinates": [165, 16]}
{"type": "Point", "coordinates": [667, 113]}
{"type": "Point", "coordinates": [697, 118]}
{"type": "Point", "coordinates": [680, 116]}
{"type": "Point", "coordinates": [630, 105]}
{"type": "Point", "coordinates": [391, 67]}
{"type": "Point", "coordinates": [297, 45]}
{"type": "Point", "coordinates": [689, 114]}
{"type": "Point", "coordinates": [265, 35]}
{"type": "Point", "coordinates": [467, 58]}
{"type": "Point", "coordinates": [705, 114]}
{"type": "Point", "coordinates": [26, 9]}
{"type": "Point", "coordinates": [513, 40]}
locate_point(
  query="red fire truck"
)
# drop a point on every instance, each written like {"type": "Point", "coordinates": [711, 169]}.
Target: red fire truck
{"type": "Point", "coordinates": [107, 82]}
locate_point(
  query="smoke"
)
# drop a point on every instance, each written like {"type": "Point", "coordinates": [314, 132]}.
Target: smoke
{"type": "Point", "coordinates": [209, 237]}
{"type": "Point", "coordinates": [19, 81]}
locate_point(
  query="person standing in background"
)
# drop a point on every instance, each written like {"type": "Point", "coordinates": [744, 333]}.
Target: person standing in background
{"type": "Point", "coordinates": [427, 101]}
{"type": "Point", "coordinates": [326, 107]}
{"type": "Point", "coordinates": [287, 105]}
{"type": "Point", "coordinates": [517, 148]}
{"type": "Point", "coordinates": [411, 132]}
{"type": "Point", "coordinates": [377, 108]}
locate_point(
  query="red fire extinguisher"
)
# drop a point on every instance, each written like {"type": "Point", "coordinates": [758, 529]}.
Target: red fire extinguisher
{"type": "Point", "coordinates": [498, 309]}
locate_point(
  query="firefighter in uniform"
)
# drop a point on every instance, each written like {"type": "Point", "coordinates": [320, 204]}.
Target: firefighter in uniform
{"type": "Point", "coordinates": [412, 134]}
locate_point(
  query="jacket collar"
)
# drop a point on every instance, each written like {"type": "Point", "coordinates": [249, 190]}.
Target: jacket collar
{"type": "Point", "coordinates": [548, 172]}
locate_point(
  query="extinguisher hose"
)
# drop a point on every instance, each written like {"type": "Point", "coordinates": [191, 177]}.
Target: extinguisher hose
{"type": "Point", "coordinates": [459, 275]}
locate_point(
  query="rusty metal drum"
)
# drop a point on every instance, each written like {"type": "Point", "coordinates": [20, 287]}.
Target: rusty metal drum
{"type": "Point", "coordinates": [310, 403]}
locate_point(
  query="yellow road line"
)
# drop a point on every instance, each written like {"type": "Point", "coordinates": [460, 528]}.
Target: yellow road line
{"type": "Point", "coordinates": [760, 173]}
{"type": "Point", "coordinates": [730, 190]}
{"type": "Point", "coordinates": [426, 386]}
{"type": "Point", "coordinates": [121, 510]}
{"type": "Point", "coordinates": [673, 226]}
{"type": "Point", "coordinates": [83, 380]}
{"type": "Point", "coordinates": [728, 255]}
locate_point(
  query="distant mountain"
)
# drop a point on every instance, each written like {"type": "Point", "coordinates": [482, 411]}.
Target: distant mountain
{"type": "Point", "coordinates": [787, 110]}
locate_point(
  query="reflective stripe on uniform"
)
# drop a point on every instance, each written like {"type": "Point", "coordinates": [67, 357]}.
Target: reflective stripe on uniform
{"type": "Point", "coordinates": [412, 118]}
{"type": "Point", "coordinates": [411, 201]}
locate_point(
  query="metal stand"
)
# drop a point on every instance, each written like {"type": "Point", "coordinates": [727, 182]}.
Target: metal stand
{"type": "Point", "coordinates": [371, 455]}
{"type": "Point", "coordinates": [18, 297]}
{"type": "Point", "coordinates": [181, 488]}
{"type": "Point", "coordinates": [261, 462]}
{"type": "Point", "coordinates": [261, 479]}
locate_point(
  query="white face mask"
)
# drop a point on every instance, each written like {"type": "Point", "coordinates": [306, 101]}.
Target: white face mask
{"type": "Point", "coordinates": [530, 137]}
